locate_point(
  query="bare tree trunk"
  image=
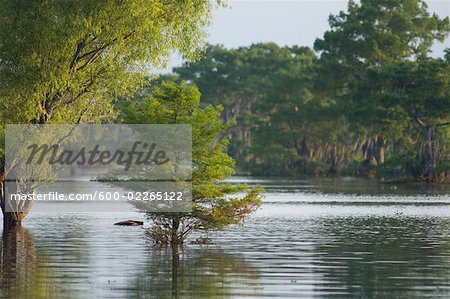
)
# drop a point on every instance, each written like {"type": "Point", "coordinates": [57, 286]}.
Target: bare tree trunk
{"type": "Point", "coordinates": [334, 161]}
{"type": "Point", "coordinates": [175, 238]}
{"type": "Point", "coordinates": [175, 271]}
{"type": "Point", "coordinates": [380, 149]}
{"type": "Point", "coordinates": [429, 154]}
{"type": "Point", "coordinates": [11, 218]}
{"type": "Point", "coordinates": [366, 150]}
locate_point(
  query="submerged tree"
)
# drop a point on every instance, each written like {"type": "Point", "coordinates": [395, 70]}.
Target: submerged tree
{"type": "Point", "coordinates": [236, 79]}
{"type": "Point", "coordinates": [371, 34]}
{"type": "Point", "coordinates": [415, 97]}
{"type": "Point", "coordinates": [215, 204]}
{"type": "Point", "coordinates": [63, 61]}
{"type": "Point", "coordinates": [268, 89]}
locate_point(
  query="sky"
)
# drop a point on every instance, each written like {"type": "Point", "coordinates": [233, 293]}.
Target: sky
{"type": "Point", "coordinates": [285, 22]}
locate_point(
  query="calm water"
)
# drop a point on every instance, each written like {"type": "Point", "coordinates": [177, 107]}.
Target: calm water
{"type": "Point", "coordinates": [311, 238]}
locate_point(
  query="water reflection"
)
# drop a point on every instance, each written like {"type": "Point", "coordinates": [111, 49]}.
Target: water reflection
{"type": "Point", "coordinates": [300, 244]}
{"type": "Point", "coordinates": [342, 185]}
{"type": "Point", "coordinates": [195, 273]}
{"type": "Point", "coordinates": [24, 273]}
{"type": "Point", "coordinates": [383, 257]}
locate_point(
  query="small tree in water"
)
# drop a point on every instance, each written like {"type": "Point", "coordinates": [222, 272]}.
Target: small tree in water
{"type": "Point", "coordinates": [215, 203]}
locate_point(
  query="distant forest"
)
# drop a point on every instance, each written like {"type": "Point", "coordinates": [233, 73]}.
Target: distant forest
{"type": "Point", "coordinates": [367, 100]}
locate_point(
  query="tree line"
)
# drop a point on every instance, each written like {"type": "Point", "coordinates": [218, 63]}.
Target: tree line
{"type": "Point", "coordinates": [368, 99]}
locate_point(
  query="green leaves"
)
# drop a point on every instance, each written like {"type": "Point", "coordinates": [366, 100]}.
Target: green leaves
{"type": "Point", "coordinates": [215, 202]}
{"type": "Point", "coordinates": [63, 61]}
{"type": "Point", "coordinates": [375, 32]}
{"type": "Point", "coordinates": [375, 63]}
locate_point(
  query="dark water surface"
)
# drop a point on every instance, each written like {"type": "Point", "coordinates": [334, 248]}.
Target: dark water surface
{"type": "Point", "coordinates": [340, 238]}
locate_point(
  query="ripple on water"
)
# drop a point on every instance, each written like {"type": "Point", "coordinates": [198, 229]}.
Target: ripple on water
{"type": "Point", "coordinates": [299, 244]}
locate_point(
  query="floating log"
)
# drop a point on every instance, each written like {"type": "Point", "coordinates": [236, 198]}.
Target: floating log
{"type": "Point", "coordinates": [130, 223]}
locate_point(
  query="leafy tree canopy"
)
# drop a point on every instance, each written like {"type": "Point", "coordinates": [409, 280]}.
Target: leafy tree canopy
{"type": "Point", "coordinates": [215, 203]}
{"type": "Point", "coordinates": [62, 61]}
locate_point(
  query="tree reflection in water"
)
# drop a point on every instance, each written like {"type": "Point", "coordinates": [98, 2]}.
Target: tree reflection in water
{"type": "Point", "coordinates": [384, 257]}
{"type": "Point", "coordinates": [24, 273]}
{"type": "Point", "coordinates": [194, 272]}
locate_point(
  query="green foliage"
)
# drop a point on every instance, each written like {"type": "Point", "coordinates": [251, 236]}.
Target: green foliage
{"type": "Point", "coordinates": [2, 148]}
{"type": "Point", "coordinates": [369, 35]}
{"type": "Point", "coordinates": [286, 125]}
{"type": "Point", "coordinates": [443, 167]}
{"type": "Point", "coordinates": [269, 90]}
{"type": "Point", "coordinates": [215, 203]}
{"type": "Point", "coordinates": [238, 79]}
{"type": "Point", "coordinates": [374, 62]}
{"type": "Point", "coordinates": [372, 94]}
{"type": "Point", "coordinates": [373, 32]}
{"type": "Point", "coordinates": [410, 99]}
{"type": "Point", "coordinates": [63, 61]}
{"type": "Point", "coordinates": [400, 165]}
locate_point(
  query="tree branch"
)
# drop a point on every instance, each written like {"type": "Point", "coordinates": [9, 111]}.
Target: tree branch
{"type": "Point", "coordinates": [95, 53]}
{"type": "Point", "coordinates": [441, 125]}
{"type": "Point", "coordinates": [76, 56]}
{"type": "Point", "coordinates": [420, 122]}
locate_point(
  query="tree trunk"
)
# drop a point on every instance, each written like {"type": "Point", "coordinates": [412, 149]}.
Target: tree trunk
{"type": "Point", "coordinates": [429, 154]}
{"type": "Point", "coordinates": [380, 149]}
{"type": "Point", "coordinates": [334, 161]}
{"type": "Point", "coordinates": [11, 219]}
{"type": "Point", "coordinates": [381, 153]}
{"type": "Point", "coordinates": [175, 271]}
{"type": "Point", "coordinates": [366, 150]}
{"type": "Point", "coordinates": [175, 238]}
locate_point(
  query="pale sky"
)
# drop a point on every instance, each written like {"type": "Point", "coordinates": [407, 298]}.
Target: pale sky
{"type": "Point", "coordinates": [285, 22]}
